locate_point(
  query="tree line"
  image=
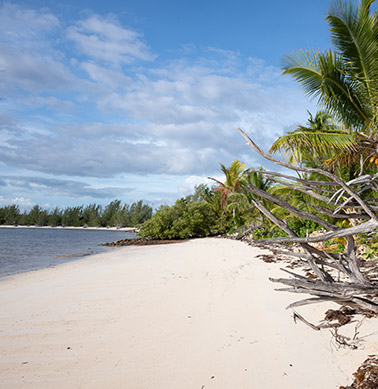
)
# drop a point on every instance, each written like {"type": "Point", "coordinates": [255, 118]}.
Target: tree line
{"type": "Point", "coordinates": [330, 181]}
{"type": "Point", "coordinates": [92, 215]}
{"type": "Point", "coordinates": [341, 138]}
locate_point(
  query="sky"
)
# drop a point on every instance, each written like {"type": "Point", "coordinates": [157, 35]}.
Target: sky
{"type": "Point", "coordinates": [140, 99]}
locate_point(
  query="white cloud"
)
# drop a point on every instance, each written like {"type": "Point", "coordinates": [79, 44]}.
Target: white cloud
{"type": "Point", "coordinates": [88, 114]}
{"type": "Point", "coordinates": [28, 71]}
{"type": "Point", "coordinates": [106, 77]}
{"type": "Point", "coordinates": [50, 102]}
{"type": "Point", "coordinates": [62, 187]}
{"type": "Point", "coordinates": [182, 124]}
{"type": "Point", "coordinates": [105, 39]}
{"type": "Point", "coordinates": [191, 182]}
{"type": "Point", "coordinates": [24, 27]}
{"type": "Point", "coordinates": [20, 201]}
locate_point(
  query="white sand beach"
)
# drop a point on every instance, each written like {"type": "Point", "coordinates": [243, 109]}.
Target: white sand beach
{"type": "Point", "coordinates": [195, 315]}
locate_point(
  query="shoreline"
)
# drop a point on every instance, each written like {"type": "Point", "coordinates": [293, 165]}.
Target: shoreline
{"type": "Point", "coordinates": [25, 249]}
{"type": "Point", "coordinates": [124, 229]}
{"type": "Point", "coordinates": [198, 314]}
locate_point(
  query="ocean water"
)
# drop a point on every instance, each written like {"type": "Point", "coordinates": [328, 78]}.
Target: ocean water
{"type": "Point", "coordinates": [25, 249]}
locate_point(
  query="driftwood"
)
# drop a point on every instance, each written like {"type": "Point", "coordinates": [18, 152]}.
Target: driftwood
{"type": "Point", "coordinates": [341, 200]}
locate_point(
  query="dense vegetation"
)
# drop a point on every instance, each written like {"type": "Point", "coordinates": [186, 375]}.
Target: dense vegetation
{"type": "Point", "coordinates": [341, 138]}
{"type": "Point", "coordinates": [189, 217]}
{"type": "Point", "coordinates": [223, 209]}
{"type": "Point", "coordinates": [93, 215]}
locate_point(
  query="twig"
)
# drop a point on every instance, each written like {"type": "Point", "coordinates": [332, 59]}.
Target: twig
{"type": "Point", "coordinates": [302, 319]}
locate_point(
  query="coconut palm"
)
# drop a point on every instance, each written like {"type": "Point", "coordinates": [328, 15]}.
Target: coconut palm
{"type": "Point", "coordinates": [232, 183]}
{"type": "Point", "coordinates": [316, 142]}
{"type": "Point", "coordinates": [345, 80]}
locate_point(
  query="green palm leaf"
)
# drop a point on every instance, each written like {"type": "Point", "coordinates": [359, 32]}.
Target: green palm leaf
{"type": "Point", "coordinates": [354, 34]}
{"type": "Point", "coordinates": [321, 75]}
{"type": "Point", "coordinates": [344, 81]}
{"type": "Point", "coordinates": [316, 143]}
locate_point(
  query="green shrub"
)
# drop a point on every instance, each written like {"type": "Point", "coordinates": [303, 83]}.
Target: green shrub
{"type": "Point", "coordinates": [371, 245]}
{"type": "Point", "coordinates": [299, 226]}
{"type": "Point", "coordinates": [183, 220]}
{"type": "Point", "coordinates": [266, 233]}
{"type": "Point", "coordinates": [303, 227]}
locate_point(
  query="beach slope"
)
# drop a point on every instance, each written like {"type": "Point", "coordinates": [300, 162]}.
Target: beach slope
{"type": "Point", "coordinates": [195, 315]}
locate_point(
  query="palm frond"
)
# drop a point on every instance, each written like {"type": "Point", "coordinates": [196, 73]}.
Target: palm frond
{"type": "Point", "coordinates": [354, 34]}
{"type": "Point", "coordinates": [323, 75]}
{"type": "Point", "coordinates": [315, 143]}
{"type": "Point", "coordinates": [365, 148]}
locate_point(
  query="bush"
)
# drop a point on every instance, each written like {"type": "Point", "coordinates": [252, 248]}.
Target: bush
{"type": "Point", "coordinates": [303, 227]}
{"type": "Point", "coordinates": [266, 233]}
{"type": "Point", "coordinates": [183, 220]}
{"type": "Point", "coordinates": [300, 227]}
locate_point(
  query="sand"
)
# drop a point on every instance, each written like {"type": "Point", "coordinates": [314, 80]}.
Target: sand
{"type": "Point", "coordinates": [198, 315]}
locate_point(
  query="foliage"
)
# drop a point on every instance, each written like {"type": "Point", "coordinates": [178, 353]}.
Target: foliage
{"type": "Point", "coordinates": [233, 178]}
{"type": "Point", "coordinates": [9, 214]}
{"type": "Point", "coordinates": [345, 81]}
{"type": "Point", "coordinates": [319, 140]}
{"type": "Point", "coordinates": [232, 201]}
{"type": "Point", "coordinates": [301, 227]}
{"type": "Point", "coordinates": [371, 251]}
{"type": "Point", "coordinates": [267, 233]}
{"type": "Point", "coordinates": [185, 219]}
{"type": "Point", "coordinates": [92, 215]}
{"type": "Point", "coordinates": [370, 244]}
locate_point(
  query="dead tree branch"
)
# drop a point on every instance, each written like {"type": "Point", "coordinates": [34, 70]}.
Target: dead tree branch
{"type": "Point", "coordinates": [338, 200]}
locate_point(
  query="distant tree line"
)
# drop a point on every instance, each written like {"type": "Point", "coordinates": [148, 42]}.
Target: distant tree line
{"type": "Point", "coordinates": [92, 215]}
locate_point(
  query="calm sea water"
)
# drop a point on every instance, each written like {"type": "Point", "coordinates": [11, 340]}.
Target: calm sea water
{"type": "Point", "coordinates": [25, 249]}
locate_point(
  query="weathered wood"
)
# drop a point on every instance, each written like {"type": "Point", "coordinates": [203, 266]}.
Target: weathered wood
{"type": "Point", "coordinates": [325, 173]}
{"type": "Point", "coordinates": [326, 211]}
{"type": "Point", "coordinates": [369, 226]}
{"type": "Point", "coordinates": [341, 200]}
{"type": "Point", "coordinates": [294, 274]}
{"type": "Point", "coordinates": [293, 178]}
{"type": "Point", "coordinates": [297, 316]}
{"type": "Point", "coordinates": [341, 289]}
{"type": "Point", "coordinates": [369, 305]}
{"type": "Point", "coordinates": [295, 211]}
{"type": "Point", "coordinates": [321, 273]}
{"type": "Point", "coordinates": [355, 273]}
{"type": "Point", "coordinates": [311, 300]}
{"type": "Point", "coordinates": [308, 190]}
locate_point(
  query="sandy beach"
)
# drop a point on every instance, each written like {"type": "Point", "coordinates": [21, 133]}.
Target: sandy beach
{"type": "Point", "coordinates": [195, 315]}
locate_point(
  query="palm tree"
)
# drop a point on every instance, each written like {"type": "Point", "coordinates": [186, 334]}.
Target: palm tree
{"type": "Point", "coordinates": [316, 142]}
{"type": "Point", "coordinates": [231, 199]}
{"type": "Point", "coordinates": [232, 183]}
{"type": "Point", "coordinates": [345, 80]}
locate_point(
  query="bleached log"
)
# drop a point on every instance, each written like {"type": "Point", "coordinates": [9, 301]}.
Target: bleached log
{"type": "Point", "coordinates": [342, 195]}
{"type": "Point", "coordinates": [309, 170]}
{"type": "Point", "coordinates": [369, 226]}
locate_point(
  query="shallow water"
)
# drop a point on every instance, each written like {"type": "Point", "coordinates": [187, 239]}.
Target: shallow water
{"type": "Point", "coordinates": [25, 249]}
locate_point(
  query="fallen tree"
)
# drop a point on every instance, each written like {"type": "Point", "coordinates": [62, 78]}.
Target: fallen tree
{"type": "Point", "coordinates": [339, 277]}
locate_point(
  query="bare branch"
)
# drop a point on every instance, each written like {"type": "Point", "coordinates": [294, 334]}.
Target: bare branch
{"type": "Point", "coordinates": [310, 170]}
{"type": "Point", "coordinates": [354, 288]}
{"type": "Point", "coordinates": [326, 211]}
{"type": "Point", "coordinates": [369, 226]}
{"type": "Point", "coordinates": [295, 211]}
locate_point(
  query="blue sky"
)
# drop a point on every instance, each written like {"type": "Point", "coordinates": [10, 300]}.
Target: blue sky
{"type": "Point", "coordinates": [141, 99]}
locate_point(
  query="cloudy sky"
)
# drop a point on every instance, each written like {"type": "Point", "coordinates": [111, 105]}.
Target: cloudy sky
{"type": "Point", "coordinates": [141, 99]}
